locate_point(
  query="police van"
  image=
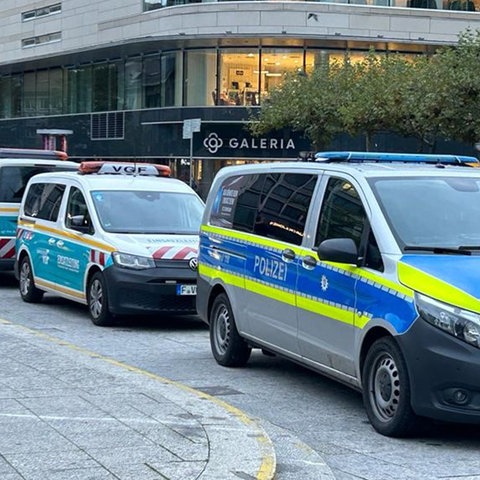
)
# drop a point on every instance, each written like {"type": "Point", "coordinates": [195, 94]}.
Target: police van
{"type": "Point", "coordinates": [17, 166]}
{"type": "Point", "coordinates": [121, 238]}
{"type": "Point", "coordinates": [364, 267]}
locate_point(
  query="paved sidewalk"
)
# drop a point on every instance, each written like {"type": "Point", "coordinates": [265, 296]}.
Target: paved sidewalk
{"type": "Point", "coordinates": [68, 414]}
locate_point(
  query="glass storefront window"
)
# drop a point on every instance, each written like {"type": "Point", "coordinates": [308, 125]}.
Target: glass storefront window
{"type": "Point", "coordinates": [41, 105]}
{"type": "Point", "coordinates": [239, 77]}
{"type": "Point", "coordinates": [172, 74]}
{"type": "Point", "coordinates": [29, 93]}
{"type": "Point", "coordinates": [152, 81]}
{"type": "Point", "coordinates": [55, 91]}
{"type": "Point", "coordinates": [5, 97]}
{"type": "Point", "coordinates": [79, 89]}
{"type": "Point", "coordinates": [17, 83]}
{"type": "Point", "coordinates": [200, 75]}
{"type": "Point", "coordinates": [105, 87]}
{"type": "Point", "coordinates": [275, 63]}
{"type": "Point", "coordinates": [133, 83]}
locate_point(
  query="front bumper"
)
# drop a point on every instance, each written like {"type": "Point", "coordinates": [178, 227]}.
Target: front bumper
{"type": "Point", "coordinates": [444, 374]}
{"type": "Point", "coordinates": [149, 291]}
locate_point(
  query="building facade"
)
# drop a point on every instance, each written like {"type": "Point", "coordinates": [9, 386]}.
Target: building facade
{"type": "Point", "coordinates": [125, 78]}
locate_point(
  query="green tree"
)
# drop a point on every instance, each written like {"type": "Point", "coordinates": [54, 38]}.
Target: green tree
{"type": "Point", "coordinates": [460, 119]}
{"type": "Point", "coordinates": [425, 97]}
{"type": "Point", "coordinates": [373, 93]}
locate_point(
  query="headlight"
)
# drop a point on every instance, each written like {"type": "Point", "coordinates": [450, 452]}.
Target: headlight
{"type": "Point", "coordinates": [136, 262]}
{"type": "Point", "coordinates": [460, 323]}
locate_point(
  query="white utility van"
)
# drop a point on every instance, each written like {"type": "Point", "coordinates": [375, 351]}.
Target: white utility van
{"type": "Point", "coordinates": [17, 166]}
{"type": "Point", "coordinates": [119, 237]}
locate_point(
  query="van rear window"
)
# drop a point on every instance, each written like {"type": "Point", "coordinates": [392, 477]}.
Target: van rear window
{"type": "Point", "coordinates": [13, 180]}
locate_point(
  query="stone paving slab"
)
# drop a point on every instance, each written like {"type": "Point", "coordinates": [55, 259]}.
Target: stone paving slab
{"type": "Point", "coordinates": [67, 413]}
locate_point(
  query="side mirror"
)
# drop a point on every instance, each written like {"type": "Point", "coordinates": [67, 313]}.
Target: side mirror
{"type": "Point", "coordinates": [340, 250]}
{"type": "Point", "coordinates": [80, 224]}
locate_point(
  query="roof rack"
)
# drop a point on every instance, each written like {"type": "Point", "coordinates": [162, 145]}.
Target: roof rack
{"type": "Point", "coordinates": [123, 168]}
{"type": "Point", "coordinates": [380, 157]}
{"type": "Point", "coordinates": [33, 153]}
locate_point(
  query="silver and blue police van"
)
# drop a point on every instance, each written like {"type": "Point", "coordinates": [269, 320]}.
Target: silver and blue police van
{"type": "Point", "coordinates": [119, 237]}
{"type": "Point", "coordinates": [364, 267]}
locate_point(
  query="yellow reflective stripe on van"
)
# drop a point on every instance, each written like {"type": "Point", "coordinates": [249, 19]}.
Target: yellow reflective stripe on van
{"type": "Point", "coordinates": [343, 315]}
{"type": "Point", "coordinates": [438, 289]}
{"type": "Point", "coordinates": [250, 238]}
{"type": "Point", "coordinates": [289, 297]}
{"type": "Point", "coordinates": [9, 209]}
{"type": "Point", "coordinates": [348, 269]}
{"type": "Point", "coordinates": [228, 278]}
{"type": "Point", "coordinates": [69, 235]}
{"type": "Point", "coordinates": [54, 286]}
{"type": "Point", "coordinates": [245, 283]}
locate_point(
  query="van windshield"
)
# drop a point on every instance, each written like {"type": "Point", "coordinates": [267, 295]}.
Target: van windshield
{"type": "Point", "coordinates": [431, 211]}
{"type": "Point", "coordinates": [13, 180]}
{"type": "Point", "coordinates": [148, 212]}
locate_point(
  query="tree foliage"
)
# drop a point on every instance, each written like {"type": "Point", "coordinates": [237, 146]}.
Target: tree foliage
{"type": "Point", "coordinates": [427, 97]}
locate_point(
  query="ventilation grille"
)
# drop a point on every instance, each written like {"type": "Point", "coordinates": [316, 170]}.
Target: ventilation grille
{"type": "Point", "coordinates": [107, 126]}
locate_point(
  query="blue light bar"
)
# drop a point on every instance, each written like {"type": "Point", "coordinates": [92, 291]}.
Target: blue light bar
{"type": "Point", "coordinates": [353, 157]}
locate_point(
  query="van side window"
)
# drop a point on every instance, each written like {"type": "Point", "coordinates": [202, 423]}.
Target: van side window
{"type": "Point", "coordinates": [342, 216]}
{"type": "Point", "coordinates": [283, 207]}
{"type": "Point", "coordinates": [236, 203]}
{"type": "Point", "coordinates": [44, 200]}
{"type": "Point", "coordinates": [274, 205]}
{"type": "Point", "coordinates": [77, 214]}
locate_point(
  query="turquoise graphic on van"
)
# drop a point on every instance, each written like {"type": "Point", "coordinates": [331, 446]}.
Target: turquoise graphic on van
{"type": "Point", "coordinates": [8, 225]}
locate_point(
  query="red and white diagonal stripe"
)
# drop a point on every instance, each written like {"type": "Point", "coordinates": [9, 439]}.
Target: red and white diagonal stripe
{"type": "Point", "coordinates": [97, 257]}
{"type": "Point", "coordinates": [7, 247]}
{"type": "Point", "coordinates": [175, 253]}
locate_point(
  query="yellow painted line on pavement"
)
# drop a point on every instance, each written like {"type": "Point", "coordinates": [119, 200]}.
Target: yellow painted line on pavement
{"type": "Point", "coordinates": [268, 464]}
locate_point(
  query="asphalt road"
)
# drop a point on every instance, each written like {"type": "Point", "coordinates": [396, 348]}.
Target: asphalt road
{"type": "Point", "coordinates": [309, 418]}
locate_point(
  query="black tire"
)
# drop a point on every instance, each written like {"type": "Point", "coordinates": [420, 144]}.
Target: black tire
{"type": "Point", "coordinates": [28, 291]}
{"type": "Point", "coordinates": [228, 347]}
{"type": "Point", "coordinates": [386, 390]}
{"type": "Point", "coordinates": [97, 299]}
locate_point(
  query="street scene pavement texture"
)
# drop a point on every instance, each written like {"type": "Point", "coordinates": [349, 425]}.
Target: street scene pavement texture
{"type": "Point", "coordinates": [68, 413]}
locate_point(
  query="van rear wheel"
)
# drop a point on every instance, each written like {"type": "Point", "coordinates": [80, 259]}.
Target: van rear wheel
{"type": "Point", "coordinates": [386, 390]}
{"type": "Point", "coordinates": [228, 347]}
{"type": "Point", "coordinates": [28, 291]}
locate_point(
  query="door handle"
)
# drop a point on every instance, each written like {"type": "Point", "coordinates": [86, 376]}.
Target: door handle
{"type": "Point", "coordinates": [288, 255]}
{"type": "Point", "coordinates": [309, 262]}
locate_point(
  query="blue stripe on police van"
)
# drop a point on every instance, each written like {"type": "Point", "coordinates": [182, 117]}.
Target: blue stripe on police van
{"type": "Point", "coordinates": [375, 299]}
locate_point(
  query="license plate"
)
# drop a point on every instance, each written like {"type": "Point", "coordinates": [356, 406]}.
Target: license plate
{"type": "Point", "coordinates": [186, 289]}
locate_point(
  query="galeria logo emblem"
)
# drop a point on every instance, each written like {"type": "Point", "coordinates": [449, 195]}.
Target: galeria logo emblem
{"type": "Point", "coordinates": [213, 143]}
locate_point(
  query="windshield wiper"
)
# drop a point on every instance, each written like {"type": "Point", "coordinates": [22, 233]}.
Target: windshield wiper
{"type": "Point", "coordinates": [439, 250]}
{"type": "Point", "coordinates": [469, 247]}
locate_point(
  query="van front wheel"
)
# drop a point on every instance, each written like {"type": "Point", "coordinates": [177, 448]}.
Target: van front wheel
{"type": "Point", "coordinates": [28, 291]}
{"type": "Point", "coordinates": [386, 390]}
{"type": "Point", "coordinates": [228, 347]}
{"type": "Point", "coordinates": [97, 299]}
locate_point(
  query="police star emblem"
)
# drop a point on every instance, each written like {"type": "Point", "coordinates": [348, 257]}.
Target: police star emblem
{"type": "Point", "coordinates": [324, 283]}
